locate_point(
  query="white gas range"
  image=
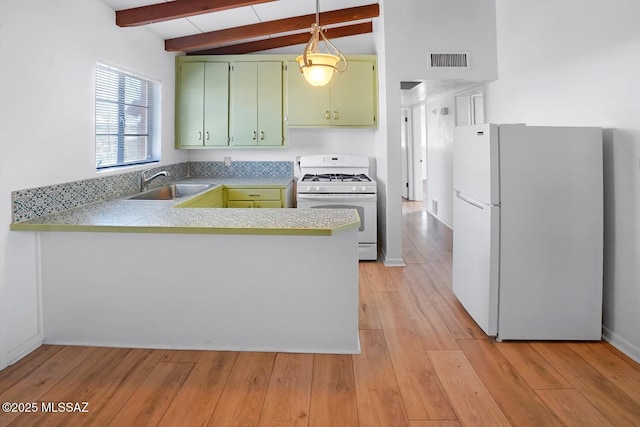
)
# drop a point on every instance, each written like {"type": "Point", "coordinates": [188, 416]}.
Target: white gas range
{"type": "Point", "coordinates": [342, 181]}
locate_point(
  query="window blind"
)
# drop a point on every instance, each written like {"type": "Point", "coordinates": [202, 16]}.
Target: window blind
{"type": "Point", "coordinates": [124, 118]}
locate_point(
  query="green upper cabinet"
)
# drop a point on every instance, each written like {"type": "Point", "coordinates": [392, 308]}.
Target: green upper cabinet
{"type": "Point", "coordinates": [349, 100]}
{"type": "Point", "coordinates": [256, 104]}
{"type": "Point", "coordinates": [202, 107]}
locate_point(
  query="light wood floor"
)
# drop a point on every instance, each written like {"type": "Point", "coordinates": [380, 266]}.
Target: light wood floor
{"type": "Point", "coordinates": [424, 362]}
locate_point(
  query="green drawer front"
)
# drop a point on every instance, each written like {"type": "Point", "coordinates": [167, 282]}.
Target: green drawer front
{"type": "Point", "coordinates": [253, 194]}
{"type": "Point", "coordinates": [240, 204]}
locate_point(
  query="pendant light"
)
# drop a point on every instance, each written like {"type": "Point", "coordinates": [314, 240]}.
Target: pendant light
{"type": "Point", "coordinates": [316, 67]}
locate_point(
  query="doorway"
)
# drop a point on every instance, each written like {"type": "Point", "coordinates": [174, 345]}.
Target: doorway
{"type": "Point", "coordinates": [414, 152]}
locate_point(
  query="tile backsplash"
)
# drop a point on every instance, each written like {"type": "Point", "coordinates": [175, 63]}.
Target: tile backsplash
{"type": "Point", "coordinates": [241, 169]}
{"type": "Point", "coordinates": [35, 202]}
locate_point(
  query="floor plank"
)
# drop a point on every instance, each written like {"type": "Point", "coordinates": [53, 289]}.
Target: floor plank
{"type": "Point", "coordinates": [572, 409]}
{"type": "Point", "coordinates": [74, 387]}
{"type": "Point", "coordinates": [367, 314]}
{"type": "Point", "coordinates": [510, 391]}
{"type": "Point", "coordinates": [433, 333]}
{"type": "Point", "coordinates": [35, 384]}
{"type": "Point", "coordinates": [199, 395]}
{"type": "Point", "coordinates": [378, 396]}
{"type": "Point", "coordinates": [333, 393]}
{"type": "Point", "coordinates": [108, 396]}
{"type": "Point", "coordinates": [615, 369]}
{"type": "Point", "coordinates": [536, 371]}
{"type": "Point", "coordinates": [148, 403]}
{"type": "Point", "coordinates": [243, 396]}
{"type": "Point", "coordinates": [30, 362]}
{"type": "Point", "coordinates": [470, 399]}
{"type": "Point", "coordinates": [454, 316]}
{"type": "Point", "coordinates": [419, 386]}
{"type": "Point", "coordinates": [289, 393]}
{"type": "Point", "coordinates": [614, 404]}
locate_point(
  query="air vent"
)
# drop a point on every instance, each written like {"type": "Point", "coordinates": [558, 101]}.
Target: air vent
{"type": "Point", "coordinates": [449, 60]}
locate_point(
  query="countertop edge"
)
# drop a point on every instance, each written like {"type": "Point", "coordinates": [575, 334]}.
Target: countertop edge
{"type": "Point", "coordinates": [271, 231]}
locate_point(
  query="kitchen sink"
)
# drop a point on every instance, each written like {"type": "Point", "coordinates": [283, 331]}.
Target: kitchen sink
{"type": "Point", "coordinates": [170, 192]}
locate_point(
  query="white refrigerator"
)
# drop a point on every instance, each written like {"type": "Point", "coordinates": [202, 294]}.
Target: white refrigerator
{"type": "Point", "coordinates": [528, 230]}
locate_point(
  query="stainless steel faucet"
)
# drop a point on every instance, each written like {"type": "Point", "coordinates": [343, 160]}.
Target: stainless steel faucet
{"type": "Point", "coordinates": [144, 182]}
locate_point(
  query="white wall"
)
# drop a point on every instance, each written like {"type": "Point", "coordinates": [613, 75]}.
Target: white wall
{"type": "Point", "coordinates": [440, 156]}
{"type": "Point", "coordinates": [49, 51]}
{"type": "Point", "coordinates": [576, 63]}
{"type": "Point", "coordinates": [411, 29]}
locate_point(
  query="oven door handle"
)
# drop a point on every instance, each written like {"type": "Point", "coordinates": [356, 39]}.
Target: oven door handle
{"type": "Point", "coordinates": [336, 198]}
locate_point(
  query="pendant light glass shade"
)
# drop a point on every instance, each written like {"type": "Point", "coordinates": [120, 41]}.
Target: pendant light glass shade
{"type": "Point", "coordinates": [316, 67]}
{"type": "Point", "coordinates": [320, 69]}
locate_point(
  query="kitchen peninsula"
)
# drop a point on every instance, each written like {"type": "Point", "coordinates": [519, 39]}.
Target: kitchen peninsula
{"type": "Point", "coordinates": [140, 273]}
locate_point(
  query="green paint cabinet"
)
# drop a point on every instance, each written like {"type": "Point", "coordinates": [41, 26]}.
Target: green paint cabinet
{"type": "Point", "coordinates": [255, 198]}
{"type": "Point", "coordinates": [256, 115]}
{"type": "Point", "coordinates": [349, 100]}
{"type": "Point", "coordinates": [202, 106]}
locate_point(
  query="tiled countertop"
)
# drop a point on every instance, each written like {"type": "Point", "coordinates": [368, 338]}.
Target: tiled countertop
{"type": "Point", "coordinates": [160, 216]}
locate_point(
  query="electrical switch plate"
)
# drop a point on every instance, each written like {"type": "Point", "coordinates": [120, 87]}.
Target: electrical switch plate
{"type": "Point", "coordinates": [227, 161]}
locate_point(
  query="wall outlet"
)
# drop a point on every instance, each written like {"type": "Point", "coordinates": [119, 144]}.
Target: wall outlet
{"type": "Point", "coordinates": [227, 161]}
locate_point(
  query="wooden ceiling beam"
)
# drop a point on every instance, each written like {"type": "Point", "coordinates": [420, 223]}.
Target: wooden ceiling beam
{"type": "Point", "coordinates": [229, 35]}
{"type": "Point", "coordinates": [283, 41]}
{"type": "Point", "coordinates": [160, 12]}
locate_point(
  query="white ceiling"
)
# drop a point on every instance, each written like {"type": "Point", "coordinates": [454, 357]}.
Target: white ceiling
{"type": "Point", "coordinates": [268, 12]}
{"type": "Point", "coordinates": [234, 17]}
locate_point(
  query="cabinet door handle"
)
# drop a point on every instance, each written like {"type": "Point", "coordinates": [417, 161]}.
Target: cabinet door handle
{"type": "Point", "coordinates": [262, 134]}
{"type": "Point", "coordinates": [253, 195]}
{"type": "Point", "coordinates": [207, 134]}
{"type": "Point", "coordinates": [254, 135]}
{"type": "Point", "coordinates": [335, 115]}
{"type": "Point", "coordinates": [326, 115]}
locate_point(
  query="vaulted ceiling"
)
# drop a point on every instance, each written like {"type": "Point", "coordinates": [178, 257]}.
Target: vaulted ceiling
{"type": "Point", "coordinates": [243, 26]}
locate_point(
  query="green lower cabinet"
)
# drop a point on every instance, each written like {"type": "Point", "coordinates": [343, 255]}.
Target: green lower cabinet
{"type": "Point", "coordinates": [255, 198]}
{"type": "Point", "coordinates": [240, 204]}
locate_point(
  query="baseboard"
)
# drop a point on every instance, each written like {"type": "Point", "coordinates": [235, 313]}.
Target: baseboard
{"type": "Point", "coordinates": [621, 344]}
{"type": "Point", "coordinates": [391, 262]}
{"type": "Point", "coordinates": [440, 219]}
{"type": "Point", "coordinates": [23, 349]}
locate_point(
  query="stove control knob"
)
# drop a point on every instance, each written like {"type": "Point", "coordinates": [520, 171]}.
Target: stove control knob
{"type": "Point", "coordinates": [354, 188]}
{"type": "Point", "coordinates": [317, 188]}
{"type": "Point", "coordinates": [364, 188]}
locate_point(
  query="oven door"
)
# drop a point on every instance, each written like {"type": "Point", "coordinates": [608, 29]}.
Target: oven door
{"type": "Point", "coordinates": [365, 204]}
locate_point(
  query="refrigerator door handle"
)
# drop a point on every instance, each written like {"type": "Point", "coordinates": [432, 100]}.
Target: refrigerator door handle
{"type": "Point", "coordinates": [470, 201]}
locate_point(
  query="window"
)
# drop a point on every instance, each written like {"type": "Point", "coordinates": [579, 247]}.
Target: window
{"type": "Point", "coordinates": [127, 114]}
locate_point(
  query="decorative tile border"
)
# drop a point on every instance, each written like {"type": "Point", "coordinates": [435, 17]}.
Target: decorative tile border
{"type": "Point", "coordinates": [241, 169]}
{"type": "Point", "coordinates": [35, 202]}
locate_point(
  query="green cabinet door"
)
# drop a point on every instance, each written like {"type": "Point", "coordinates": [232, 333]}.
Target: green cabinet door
{"type": "Point", "coordinates": [306, 105]}
{"type": "Point", "coordinates": [202, 107]}
{"type": "Point", "coordinates": [352, 96]}
{"type": "Point", "coordinates": [216, 104]}
{"type": "Point", "coordinates": [256, 104]}
{"type": "Point", "coordinates": [190, 105]}
{"type": "Point", "coordinates": [270, 114]}
{"type": "Point", "coordinates": [349, 100]}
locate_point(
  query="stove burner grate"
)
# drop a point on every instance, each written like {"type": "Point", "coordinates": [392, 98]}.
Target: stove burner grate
{"type": "Point", "coordinates": [336, 177]}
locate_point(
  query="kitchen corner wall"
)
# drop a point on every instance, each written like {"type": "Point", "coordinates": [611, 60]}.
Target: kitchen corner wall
{"type": "Point", "coordinates": [49, 52]}
{"type": "Point", "coordinates": [575, 63]}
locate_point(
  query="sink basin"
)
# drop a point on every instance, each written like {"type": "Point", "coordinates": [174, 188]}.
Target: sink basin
{"type": "Point", "coordinates": [170, 192]}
